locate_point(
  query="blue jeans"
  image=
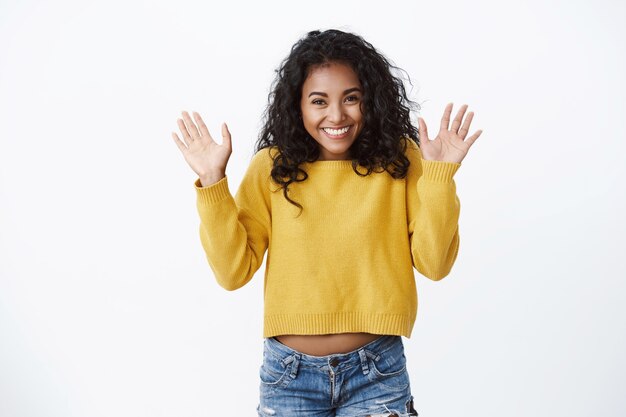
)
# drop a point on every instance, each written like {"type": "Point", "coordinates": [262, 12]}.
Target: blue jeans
{"type": "Point", "coordinates": [369, 381]}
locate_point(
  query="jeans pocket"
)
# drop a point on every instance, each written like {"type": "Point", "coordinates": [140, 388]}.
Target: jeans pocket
{"type": "Point", "coordinates": [274, 371]}
{"type": "Point", "coordinates": [389, 369]}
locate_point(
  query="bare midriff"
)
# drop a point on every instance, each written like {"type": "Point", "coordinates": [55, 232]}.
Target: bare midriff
{"type": "Point", "coordinates": [326, 344]}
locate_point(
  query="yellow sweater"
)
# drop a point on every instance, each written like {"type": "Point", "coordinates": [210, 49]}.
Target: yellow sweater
{"type": "Point", "coordinates": [346, 263]}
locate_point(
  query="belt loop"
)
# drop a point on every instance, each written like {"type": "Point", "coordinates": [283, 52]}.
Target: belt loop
{"type": "Point", "coordinates": [364, 365]}
{"type": "Point", "coordinates": [294, 367]}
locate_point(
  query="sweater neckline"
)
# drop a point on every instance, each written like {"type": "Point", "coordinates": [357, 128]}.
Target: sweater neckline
{"type": "Point", "coordinates": [330, 164]}
{"type": "Point", "coordinates": [326, 164]}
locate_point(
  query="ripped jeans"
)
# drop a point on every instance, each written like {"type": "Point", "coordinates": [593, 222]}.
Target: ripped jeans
{"type": "Point", "coordinates": [371, 381]}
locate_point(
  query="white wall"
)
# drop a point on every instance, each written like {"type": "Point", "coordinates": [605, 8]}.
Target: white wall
{"type": "Point", "coordinates": [107, 304]}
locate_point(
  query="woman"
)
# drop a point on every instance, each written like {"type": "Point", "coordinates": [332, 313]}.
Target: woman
{"type": "Point", "coordinates": [347, 200]}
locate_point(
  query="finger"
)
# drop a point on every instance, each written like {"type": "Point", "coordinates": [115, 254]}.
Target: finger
{"type": "Point", "coordinates": [466, 125]}
{"type": "Point", "coordinates": [183, 130]}
{"type": "Point", "coordinates": [226, 136]}
{"type": "Point", "coordinates": [179, 143]}
{"type": "Point", "coordinates": [191, 127]}
{"type": "Point", "coordinates": [423, 131]}
{"type": "Point", "coordinates": [457, 120]}
{"type": "Point", "coordinates": [203, 129]}
{"type": "Point", "coordinates": [445, 119]}
{"type": "Point", "coordinates": [470, 141]}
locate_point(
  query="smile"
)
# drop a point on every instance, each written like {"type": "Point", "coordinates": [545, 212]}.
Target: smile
{"type": "Point", "coordinates": [337, 133]}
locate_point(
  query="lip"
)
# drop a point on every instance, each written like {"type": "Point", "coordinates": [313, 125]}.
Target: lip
{"type": "Point", "coordinates": [349, 131]}
{"type": "Point", "coordinates": [338, 127]}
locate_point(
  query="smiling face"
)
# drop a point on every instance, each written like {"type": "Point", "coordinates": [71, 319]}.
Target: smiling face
{"type": "Point", "coordinates": [331, 109]}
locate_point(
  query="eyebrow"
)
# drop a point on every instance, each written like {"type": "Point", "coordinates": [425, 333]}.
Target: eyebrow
{"type": "Point", "coordinates": [349, 90]}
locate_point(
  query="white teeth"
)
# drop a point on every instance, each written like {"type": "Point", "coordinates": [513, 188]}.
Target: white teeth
{"type": "Point", "coordinates": [337, 132]}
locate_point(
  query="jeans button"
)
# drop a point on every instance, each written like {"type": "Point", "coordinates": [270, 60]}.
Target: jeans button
{"type": "Point", "coordinates": [334, 362]}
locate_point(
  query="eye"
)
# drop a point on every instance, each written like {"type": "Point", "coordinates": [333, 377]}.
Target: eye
{"type": "Point", "coordinates": [349, 98]}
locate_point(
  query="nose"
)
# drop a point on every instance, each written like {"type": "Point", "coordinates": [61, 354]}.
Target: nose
{"type": "Point", "coordinates": [335, 113]}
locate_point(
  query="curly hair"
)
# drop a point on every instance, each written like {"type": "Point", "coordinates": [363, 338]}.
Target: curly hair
{"type": "Point", "coordinates": [381, 143]}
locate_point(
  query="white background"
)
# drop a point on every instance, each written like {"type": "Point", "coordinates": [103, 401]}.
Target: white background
{"type": "Point", "coordinates": [107, 304]}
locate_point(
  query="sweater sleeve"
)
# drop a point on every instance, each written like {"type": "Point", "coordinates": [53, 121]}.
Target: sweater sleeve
{"type": "Point", "coordinates": [235, 231]}
{"type": "Point", "coordinates": [433, 214]}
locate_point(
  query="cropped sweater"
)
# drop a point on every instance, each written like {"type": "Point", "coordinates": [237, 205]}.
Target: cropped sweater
{"type": "Point", "coordinates": [345, 264]}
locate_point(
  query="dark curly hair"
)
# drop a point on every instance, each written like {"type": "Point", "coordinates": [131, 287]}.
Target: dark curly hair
{"type": "Point", "coordinates": [385, 108]}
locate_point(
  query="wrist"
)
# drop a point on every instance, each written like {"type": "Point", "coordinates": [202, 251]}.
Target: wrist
{"type": "Point", "coordinates": [211, 178]}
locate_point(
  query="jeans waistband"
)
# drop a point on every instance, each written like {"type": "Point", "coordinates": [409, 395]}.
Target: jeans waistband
{"type": "Point", "coordinates": [377, 346]}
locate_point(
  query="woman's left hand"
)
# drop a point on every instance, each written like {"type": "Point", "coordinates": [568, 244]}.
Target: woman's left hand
{"type": "Point", "coordinates": [450, 144]}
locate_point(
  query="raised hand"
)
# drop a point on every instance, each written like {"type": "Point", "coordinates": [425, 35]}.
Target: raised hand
{"type": "Point", "coordinates": [450, 144]}
{"type": "Point", "coordinates": [207, 158]}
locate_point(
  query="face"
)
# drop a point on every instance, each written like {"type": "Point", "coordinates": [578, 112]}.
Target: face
{"type": "Point", "coordinates": [331, 113]}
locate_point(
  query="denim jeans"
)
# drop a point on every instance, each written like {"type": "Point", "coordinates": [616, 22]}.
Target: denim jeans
{"type": "Point", "coordinates": [369, 381]}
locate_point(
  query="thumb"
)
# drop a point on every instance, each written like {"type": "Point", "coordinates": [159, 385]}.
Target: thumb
{"type": "Point", "coordinates": [226, 135]}
{"type": "Point", "coordinates": [423, 131]}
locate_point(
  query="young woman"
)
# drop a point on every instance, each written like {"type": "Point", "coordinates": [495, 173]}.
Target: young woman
{"type": "Point", "coordinates": [346, 200]}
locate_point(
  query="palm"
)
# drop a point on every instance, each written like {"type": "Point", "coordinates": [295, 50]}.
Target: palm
{"type": "Point", "coordinates": [205, 153]}
{"type": "Point", "coordinates": [450, 144]}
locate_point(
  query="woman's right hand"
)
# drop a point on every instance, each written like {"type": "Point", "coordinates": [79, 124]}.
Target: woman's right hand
{"type": "Point", "coordinates": [206, 157]}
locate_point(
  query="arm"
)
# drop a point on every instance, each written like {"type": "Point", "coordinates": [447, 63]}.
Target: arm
{"type": "Point", "coordinates": [234, 231]}
{"type": "Point", "coordinates": [433, 205]}
{"type": "Point", "coordinates": [433, 214]}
